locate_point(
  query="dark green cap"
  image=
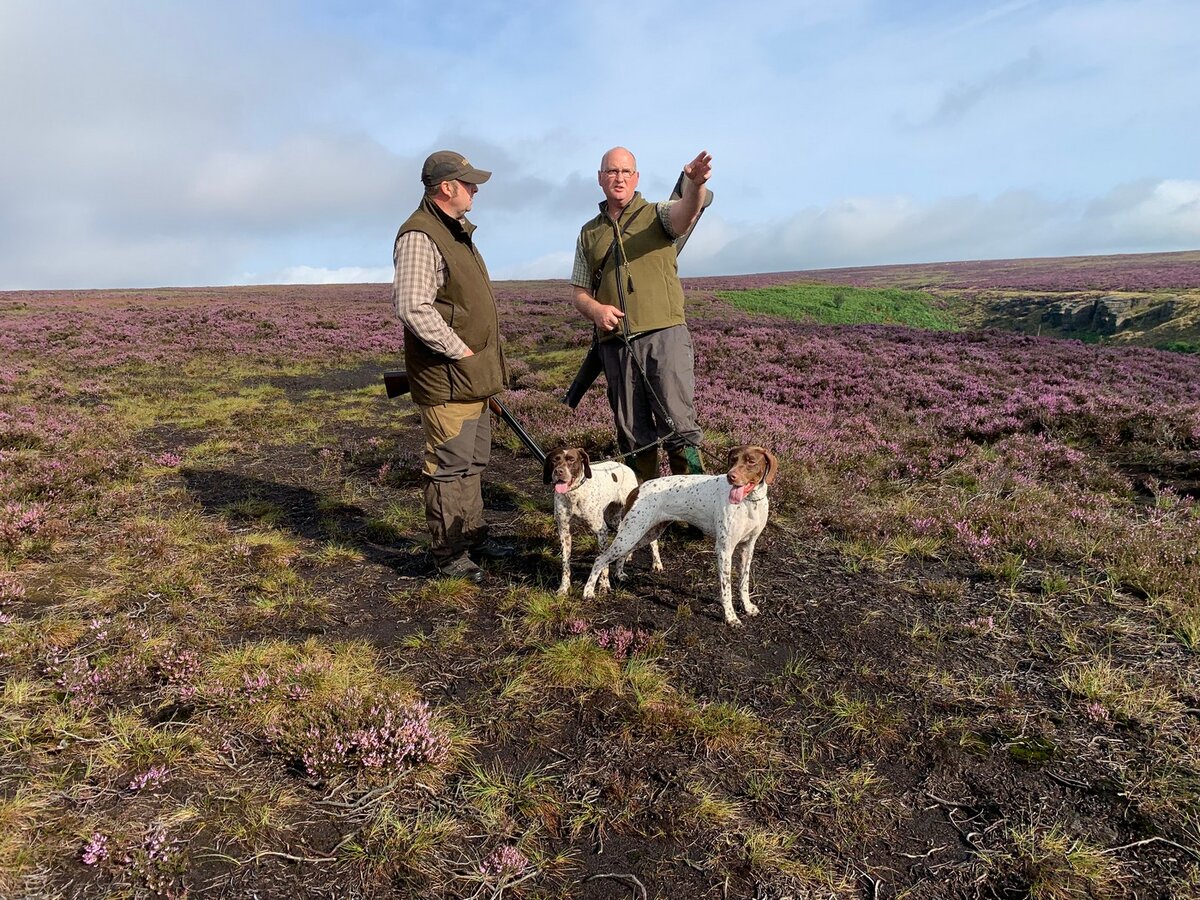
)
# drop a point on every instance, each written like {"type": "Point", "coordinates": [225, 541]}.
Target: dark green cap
{"type": "Point", "coordinates": [446, 165]}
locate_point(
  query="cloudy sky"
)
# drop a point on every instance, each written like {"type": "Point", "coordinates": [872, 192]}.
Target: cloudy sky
{"type": "Point", "coordinates": [159, 142]}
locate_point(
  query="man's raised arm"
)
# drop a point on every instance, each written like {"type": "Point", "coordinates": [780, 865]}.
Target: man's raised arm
{"type": "Point", "coordinates": [686, 210]}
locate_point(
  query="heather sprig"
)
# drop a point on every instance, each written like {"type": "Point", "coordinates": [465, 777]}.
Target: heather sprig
{"type": "Point", "coordinates": [506, 861]}
{"type": "Point", "coordinates": [385, 732]}
{"type": "Point", "coordinates": [95, 850]}
{"type": "Point", "coordinates": [623, 642]}
{"type": "Point", "coordinates": [19, 521]}
{"type": "Point", "coordinates": [151, 778]}
{"type": "Point", "coordinates": [12, 588]}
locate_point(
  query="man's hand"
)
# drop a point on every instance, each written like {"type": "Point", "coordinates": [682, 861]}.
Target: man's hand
{"type": "Point", "coordinates": [699, 170]}
{"type": "Point", "coordinates": [607, 318]}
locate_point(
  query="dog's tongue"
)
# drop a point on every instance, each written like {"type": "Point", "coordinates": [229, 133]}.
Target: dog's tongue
{"type": "Point", "coordinates": [738, 493]}
{"type": "Point", "coordinates": [561, 487]}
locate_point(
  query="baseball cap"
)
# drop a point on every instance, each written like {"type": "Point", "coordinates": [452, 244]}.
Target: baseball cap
{"type": "Point", "coordinates": [446, 165]}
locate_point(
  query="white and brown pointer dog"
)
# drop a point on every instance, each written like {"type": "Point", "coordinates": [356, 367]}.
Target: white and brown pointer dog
{"type": "Point", "coordinates": [594, 494]}
{"type": "Point", "coordinates": [731, 508]}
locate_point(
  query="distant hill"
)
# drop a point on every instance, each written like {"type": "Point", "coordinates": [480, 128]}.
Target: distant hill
{"type": "Point", "coordinates": [1150, 299]}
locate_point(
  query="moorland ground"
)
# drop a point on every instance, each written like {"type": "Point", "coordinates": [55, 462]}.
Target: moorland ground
{"type": "Point", "coordinates": [228, 673]}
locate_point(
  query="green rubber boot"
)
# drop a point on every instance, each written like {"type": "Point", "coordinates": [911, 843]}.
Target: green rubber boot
{"type": "Point", "coordinates": [685, 461]}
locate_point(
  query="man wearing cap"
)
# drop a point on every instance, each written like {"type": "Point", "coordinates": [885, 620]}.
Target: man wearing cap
{"type": "Point", "coordinates": [644, 345]}
{"type": "Point", "coordinates": [453, 356]}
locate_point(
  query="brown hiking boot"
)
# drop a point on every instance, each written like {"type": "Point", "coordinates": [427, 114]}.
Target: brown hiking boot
{"type": "Point", "coordinates": [461, 567]}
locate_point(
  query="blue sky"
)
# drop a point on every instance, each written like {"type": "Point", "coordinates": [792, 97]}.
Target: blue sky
{"type": "Point", "coordinates": [151, 143]}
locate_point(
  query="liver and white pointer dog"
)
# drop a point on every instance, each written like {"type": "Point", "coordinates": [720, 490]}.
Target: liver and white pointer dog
{"type": "Point", "coordinates": [732, 508]}
{"type": "Point", "coordinates": [594, 494]}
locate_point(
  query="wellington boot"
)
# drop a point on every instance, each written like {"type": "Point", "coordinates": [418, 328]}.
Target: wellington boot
{"type": "Point", "coordinates": [685, 461]}
{"type": "Point", "coordinates": [644, 464]}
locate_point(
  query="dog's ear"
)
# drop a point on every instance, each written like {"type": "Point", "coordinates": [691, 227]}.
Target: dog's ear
{"type": "Point", "coordinates": [772, 465]}
{"type": "Point", "coordinates": [548, 466]}
{"type": "Point", "coordinates": [587, 463]}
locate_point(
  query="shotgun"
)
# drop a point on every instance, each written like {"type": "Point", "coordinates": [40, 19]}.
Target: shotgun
{"type": "Point", "coordinates": [591, 367]}
{"type": "Point", "coordinates": [395, 383]}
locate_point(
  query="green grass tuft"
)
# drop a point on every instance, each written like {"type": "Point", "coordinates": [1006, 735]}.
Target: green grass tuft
{"type": "Point", "coordinates": [835, 304]}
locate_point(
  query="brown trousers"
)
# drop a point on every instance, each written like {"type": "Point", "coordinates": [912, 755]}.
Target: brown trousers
{"type": "Point", "coordinates": [458, 446]}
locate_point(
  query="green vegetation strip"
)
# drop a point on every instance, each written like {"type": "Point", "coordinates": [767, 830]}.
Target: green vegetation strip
{"type": "Point", "coordinates": [836, 304]}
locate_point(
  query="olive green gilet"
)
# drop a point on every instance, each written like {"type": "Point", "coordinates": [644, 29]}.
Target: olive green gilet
{"type": "Point", "coordinates": [468, 305]}
{"type": "Point", "coordinates": [656, 298]}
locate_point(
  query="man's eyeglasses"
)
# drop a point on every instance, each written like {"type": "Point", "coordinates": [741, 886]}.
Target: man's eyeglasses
{"type": "Point", "coordinates": [613, 173]}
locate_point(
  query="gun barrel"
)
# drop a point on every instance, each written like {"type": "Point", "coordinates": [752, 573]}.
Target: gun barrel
{"type": "Point", "coordinates": [502, 411]}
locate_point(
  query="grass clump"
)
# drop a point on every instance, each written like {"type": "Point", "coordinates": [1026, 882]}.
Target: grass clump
{"type": "Point", "coordinates": [505, 801]}
{"type": "Point", "coordinates": [1112, 690]}
{"type": "Point", "coordinates": [836, 304]}
{"type": "Point", "coordinates": [579, 663]}
{"type": "Point", "coordinates": [1055, 866]}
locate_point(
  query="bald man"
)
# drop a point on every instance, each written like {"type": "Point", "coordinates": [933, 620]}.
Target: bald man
{"type": "Point", "coordinates": [626, 283]}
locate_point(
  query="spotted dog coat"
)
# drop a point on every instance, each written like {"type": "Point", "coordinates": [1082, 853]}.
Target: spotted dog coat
{"type": "Point", "coordinates": [596, 495]}
{"type": "Point", "coordinates": [732, 508]}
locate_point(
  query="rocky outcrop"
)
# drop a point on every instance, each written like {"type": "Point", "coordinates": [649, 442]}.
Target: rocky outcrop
{"type": "Point", "coordinates": [1107, 315]}
{"type": "Point", "coordinates": [1085, 314]}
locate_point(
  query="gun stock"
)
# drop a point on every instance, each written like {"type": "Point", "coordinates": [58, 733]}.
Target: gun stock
{"type": "Point", "coordinates": [589, 371]}
{"type": "Point", "coordinates": [395, 383]}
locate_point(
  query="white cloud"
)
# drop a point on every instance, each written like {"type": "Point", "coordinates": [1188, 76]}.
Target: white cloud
{"type": "Point", "coordinates": [1147, 215]}
{"type": "Point", "coordinates": [319, 275]}
{"type": "Point", "coordinates": [552, 265]}
{"type": "Point", "coordinates": [1151, 215]}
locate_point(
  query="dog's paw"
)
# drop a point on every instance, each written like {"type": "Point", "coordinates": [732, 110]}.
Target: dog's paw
{"type": "Point", "coordinates": [751, 609]}
{"type": "Point", "coordinates": [657, 566]}
{"type": "Point", "coordinates": [733, 621]}
{"type": "Point", "coordinates": [563, 590]}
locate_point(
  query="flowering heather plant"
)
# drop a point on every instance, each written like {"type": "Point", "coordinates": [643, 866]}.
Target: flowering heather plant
{"type": "Point", "coordinates": [259, 688]}
{"type": "Point", "coordinates": [106, 661]}
{"type": "Point", "coordinates": [386, 733]}
{"type": "Point", "coordinates": [168, 459]}
{"type": "Point", "coordinates": [88, 683]}
{"type": "Point", "coordinates": [151, 778]}
{"type": "Point", "coordinates": [11, 588]}
{"type": "Point", "coordinates": [180, 669]}
{"type": "Point", "coordinates": [35, 428]}
{"type": "Point", "coordinates": [622, 641]}
{"type": "Point", "coordinates": [178, 665]}
{"type": "Point", "coordinates": [982, 624]}
{"type": "Point", "coordinates": [19, 521]}
{"type": "Point", "coordinates": [273, 324]}
{"type": "Point", "coordinates": [157, 862]}
{"type": "Point", "coordinates": [95, 850]}
{"type": "Point", "coordinates": [504, 862]}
